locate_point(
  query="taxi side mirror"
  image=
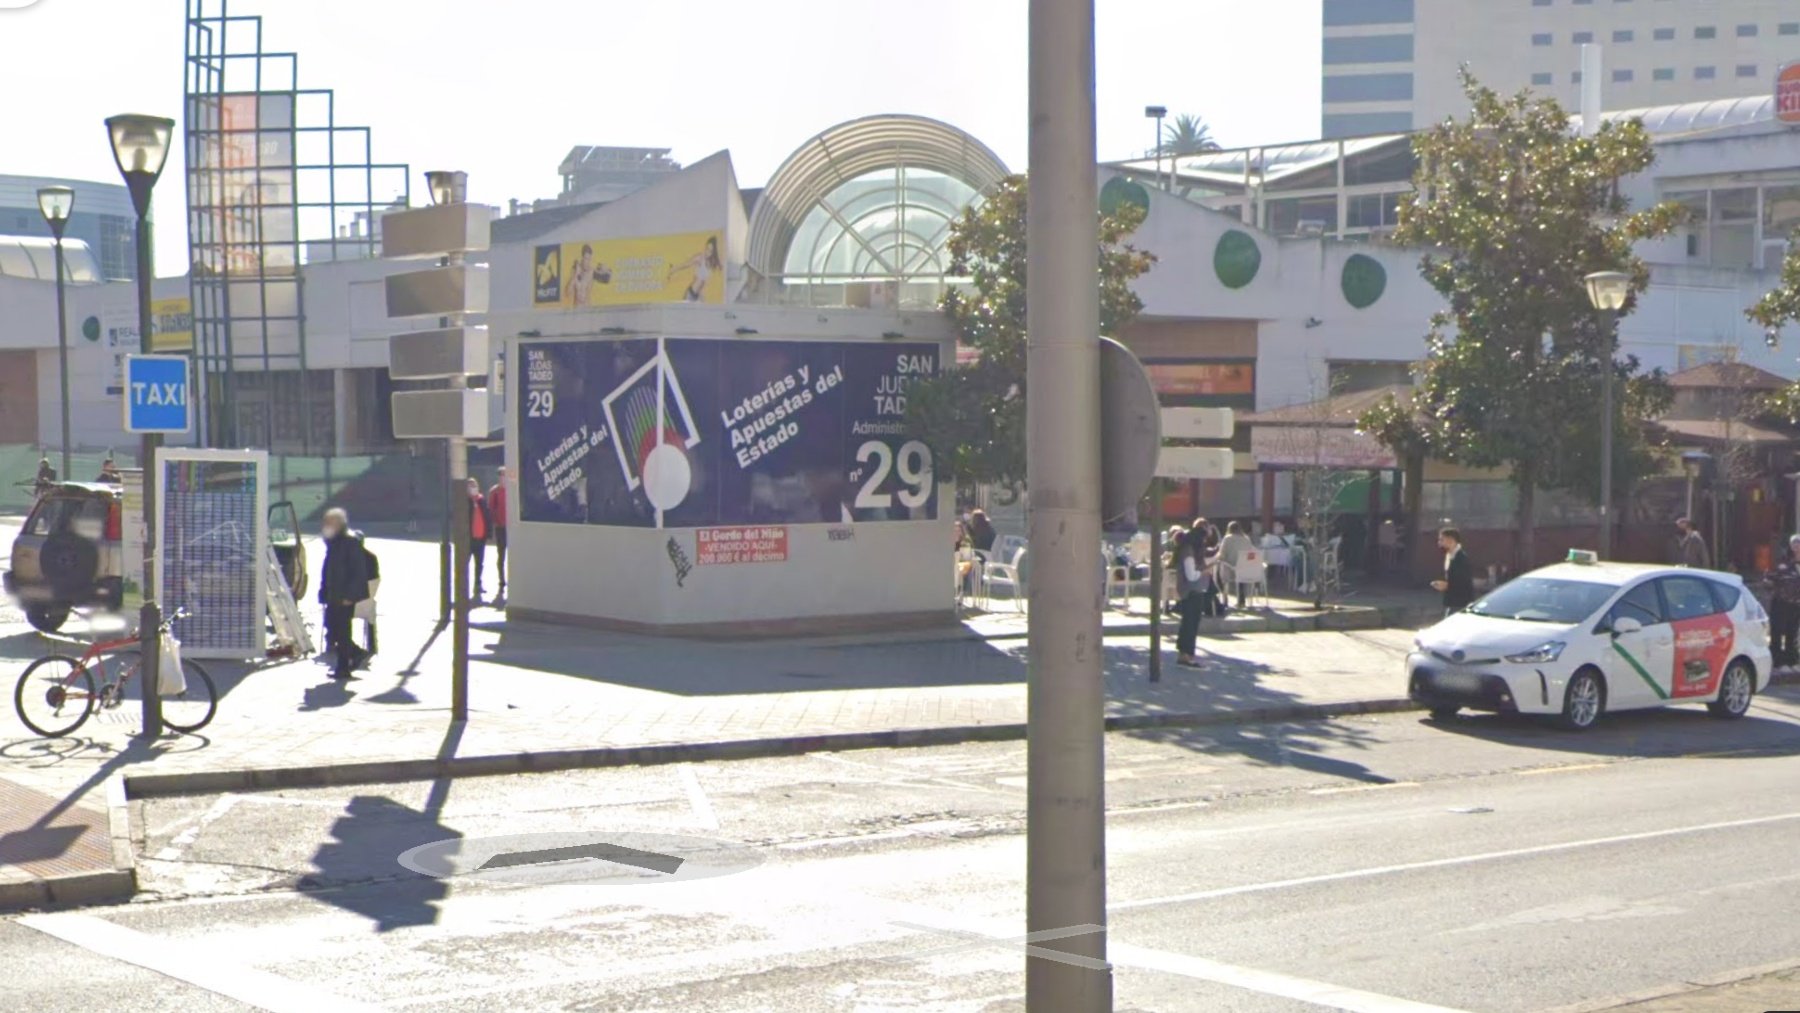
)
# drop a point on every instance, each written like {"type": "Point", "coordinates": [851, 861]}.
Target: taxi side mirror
{"type": "Point", "coordinates": [1625, 624]}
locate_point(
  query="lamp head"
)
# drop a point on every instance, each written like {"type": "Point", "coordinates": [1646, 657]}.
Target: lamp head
{"type": "Point", "coordinates": [140, 146]}
{"type": "Point", "coordinates": [1156, 112]}
{"type": "Point", "coordinates": [447, 187]}
{"type": "Point", "coordinates": [1608, 290]}
{"type": "Point", "coordinates": [56, 202]}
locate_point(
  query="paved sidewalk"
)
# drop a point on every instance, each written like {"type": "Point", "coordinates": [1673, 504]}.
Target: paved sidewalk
{"type": "Point", "coordinates": [542, 689]}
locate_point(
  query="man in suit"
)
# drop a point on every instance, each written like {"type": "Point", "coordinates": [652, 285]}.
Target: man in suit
{"type": "Point", "coordinates": [1458, 585]}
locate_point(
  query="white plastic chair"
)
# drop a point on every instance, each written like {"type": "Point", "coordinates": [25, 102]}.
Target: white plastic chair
{"type": "Point", "coordinates": [1008, 546]}
{"type": "Point", "coordinates": [965, 587]}
{"type": "Point", "coordinates": [1118, 581]}
{"type": "Point", "coordinates": [1005, 575]}
{"type": "Point", "coordinates": [1331, 572]}
{"type": "Point", "coordinates": [1251, 576]}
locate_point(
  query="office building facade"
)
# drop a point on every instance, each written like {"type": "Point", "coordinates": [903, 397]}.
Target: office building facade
{"type": "Point", "coordinates": [102, 219]}
{"type": "Point", "coordinates": [1391, 65]}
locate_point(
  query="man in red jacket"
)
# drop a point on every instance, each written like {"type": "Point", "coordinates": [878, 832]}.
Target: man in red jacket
{"type": "Point", "coordinates": [497, 520]}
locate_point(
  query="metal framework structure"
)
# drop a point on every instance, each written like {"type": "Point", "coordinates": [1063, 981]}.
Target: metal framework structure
{"type": "Point", "coordinates": [273, 183]}
{"type": "Point", "coordinates": [863, 211]}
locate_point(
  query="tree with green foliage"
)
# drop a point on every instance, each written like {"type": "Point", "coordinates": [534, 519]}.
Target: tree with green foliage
{"type": "Point", "coordinates": [1188, 135]}
{"type": "Point", "coordinates": [1514, 210]}
{"type": "Point", "coordinates": [973, 415]}
{"type": "Point", "coordinates": [1775, 311]}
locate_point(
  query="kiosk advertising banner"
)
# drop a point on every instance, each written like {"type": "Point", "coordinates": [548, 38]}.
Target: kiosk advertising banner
{"type": "Point", "coordinates": [707, 433]}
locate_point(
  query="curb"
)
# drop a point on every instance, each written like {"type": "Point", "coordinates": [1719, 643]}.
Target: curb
{"type": "Point", "coordinates": [116, 884]}
{"type": "Point", "coordinates": [209, 782]}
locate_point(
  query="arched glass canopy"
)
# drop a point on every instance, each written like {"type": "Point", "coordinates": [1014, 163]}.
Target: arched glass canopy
{"type": "Point", "coordinates": [861, 214]}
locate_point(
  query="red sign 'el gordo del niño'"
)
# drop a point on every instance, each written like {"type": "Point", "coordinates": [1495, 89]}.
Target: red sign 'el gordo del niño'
{"type": "Point", "coordinates": [1787, 93]}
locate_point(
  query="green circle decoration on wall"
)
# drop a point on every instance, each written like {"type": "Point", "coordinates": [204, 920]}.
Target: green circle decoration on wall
{"type": "Point", "coordinates": [90, 328]}
{"type": "Point", "coordinates": [1364, 280]}
{"type": "Point", "coordinates": [1119, 192]}
{"type": "Point", "coordinates": [1236, 259]}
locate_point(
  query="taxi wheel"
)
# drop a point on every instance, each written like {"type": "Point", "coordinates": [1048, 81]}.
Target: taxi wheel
{"type": "Point", "coordinates": [1584, 701]}
{"type": "Point", "coordinates": [1445, 713]}
{"type": "Point", "coordinates": [1736, 688]}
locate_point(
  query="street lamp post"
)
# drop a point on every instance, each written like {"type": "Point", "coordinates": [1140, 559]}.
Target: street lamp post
{"type": "Point", "coordinates": [1607, 290]}
{"type": "Point", "coordinates": [140, 146]}
{"type": "Point", "coordinates": [1157, 113]}
{"type": "Point", "coordinates": [56, 202]}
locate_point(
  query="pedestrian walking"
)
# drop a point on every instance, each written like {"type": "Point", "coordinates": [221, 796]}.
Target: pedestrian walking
{"type": "Point", "coordinates": [496, 500]}
{"type": "Point", "coordinates": [1690, 548]}
{"type": "Point", "coordinates": [480, 523]}
{"type": "Point", "coordinates": [1188, 578]}
{"type": "Point", "coordinates": [1783, 583]}
{"type": "Point", "coordinates": [1458, 585]}
{"type": "Point", "coordinates": [343, 581]}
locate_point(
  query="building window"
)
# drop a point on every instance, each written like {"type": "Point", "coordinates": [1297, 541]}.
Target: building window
{"type": "Point", "coordinates": [1540, 39]}
{"type": "Point", "coordinates": [1705, 73]}
{"type": "Point", "coordinates": [1583, 3]}
{"type": "Point", "coordinates": [1621, 76]}
{"type": "Point", "coordinates": [1540, 3]}
{"type": "Point", "coordinates": [1746, 31]}
{"type": "Point", "coordinates": [1746, 70]}
{"type": "Point", "coordinates": [1369, 49]}
{"type": "Point", "coordinates": [1663, 74]}
{"type": "Point", "coordinates": [1542, 79]}
{"type": "Point", "coordinates": [1368, 12]}
{"type": "Point", "coordinates": [1583, 38]}
{"type": "Point", "coordinates": [1622, 35]}
{"type": "Point", "coordinates": [1706, 32]}
{"type": "Point", "coordinates": [1575, 78]}
{"type": "Point", "coordinates": [1790, 28]}
{"type": "Point", "coordinates": [1665, 35]}
{"type": "Point", "coordinates": [1368, 87]}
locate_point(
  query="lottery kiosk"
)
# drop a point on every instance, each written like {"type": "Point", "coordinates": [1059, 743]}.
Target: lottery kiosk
{"type": "Point", "coordinates": [725, 470]}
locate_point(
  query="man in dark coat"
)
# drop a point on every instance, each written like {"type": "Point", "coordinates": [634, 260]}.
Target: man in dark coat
{"type": "Point", "coordinates": [1458, 585]}
{"type": "Point", "coordinates": [343, 581]}
{"type": "Point", "coordinates": [1783, 583]}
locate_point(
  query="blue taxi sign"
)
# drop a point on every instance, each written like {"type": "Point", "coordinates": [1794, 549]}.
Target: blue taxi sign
{"type": "Point", "coordinates": [157, 394]}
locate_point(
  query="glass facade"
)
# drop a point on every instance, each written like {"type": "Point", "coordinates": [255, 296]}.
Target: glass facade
{"type": "Point", "coordinates": [888, 226]}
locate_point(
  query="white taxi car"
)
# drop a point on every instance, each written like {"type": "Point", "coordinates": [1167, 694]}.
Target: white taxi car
{"type": "Point", "coordinates": [1581, 638]}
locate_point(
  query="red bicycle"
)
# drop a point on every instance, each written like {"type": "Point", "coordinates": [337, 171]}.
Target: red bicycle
{"type": "Point", "coordinates": [57, 694]}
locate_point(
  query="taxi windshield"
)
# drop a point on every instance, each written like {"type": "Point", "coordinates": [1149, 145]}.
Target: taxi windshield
{"type": "Point", "coordinates": [1544, 600]}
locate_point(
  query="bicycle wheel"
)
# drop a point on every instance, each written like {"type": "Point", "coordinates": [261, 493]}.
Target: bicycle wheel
{"type": "Point", "coordinates": [187, 711]}
{"type": "Point", "coordinates": [193, 708]}
{"type": "Point", "coordinates": [54, 696]}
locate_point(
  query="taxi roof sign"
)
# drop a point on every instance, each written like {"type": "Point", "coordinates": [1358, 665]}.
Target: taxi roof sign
{"type": "Point", "coordinates": [1586, 557]}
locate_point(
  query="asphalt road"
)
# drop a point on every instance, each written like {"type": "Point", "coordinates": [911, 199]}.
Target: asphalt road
{"type": "Point", "coordinates": [1380, 864]}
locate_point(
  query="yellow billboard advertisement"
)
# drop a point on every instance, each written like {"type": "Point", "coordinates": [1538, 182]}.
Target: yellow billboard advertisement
{"type": "Point", "coordinates": [172, 325]}
{"type": "Point", "coordinates": [619, 272]}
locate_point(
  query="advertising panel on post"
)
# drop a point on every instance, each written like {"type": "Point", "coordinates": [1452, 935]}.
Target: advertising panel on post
{"type": "Point", "coordinates": [711, 433]}
{"type": "Point", "coordinates": [622, 272]}
{"type": "Point", "coordinates": [212, 536]}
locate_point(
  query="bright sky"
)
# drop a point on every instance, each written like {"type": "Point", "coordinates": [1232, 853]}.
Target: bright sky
{"type": "Point", "coordinates": [504, 88]}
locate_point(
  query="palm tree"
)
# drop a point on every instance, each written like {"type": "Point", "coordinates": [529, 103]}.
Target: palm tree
{"type": "Point", "coordinates": [1188, 135]}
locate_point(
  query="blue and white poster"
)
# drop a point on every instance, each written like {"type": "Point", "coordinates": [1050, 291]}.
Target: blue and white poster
{"type": "Point", "coordinates": [212, 539]}
{"type": "Point", "coordinates": [692, 432]}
